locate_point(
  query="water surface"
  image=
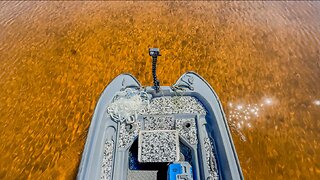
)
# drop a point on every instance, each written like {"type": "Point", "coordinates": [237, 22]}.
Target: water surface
{"type": "Point", "coordinates": [262, 59]}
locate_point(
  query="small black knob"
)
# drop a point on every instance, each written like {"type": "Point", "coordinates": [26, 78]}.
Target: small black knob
{"type": "Point", "coordinates": [154, 52]}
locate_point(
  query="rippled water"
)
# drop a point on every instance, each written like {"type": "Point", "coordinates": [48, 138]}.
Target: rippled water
{"type": "Point", "coordinates": [262, 58]}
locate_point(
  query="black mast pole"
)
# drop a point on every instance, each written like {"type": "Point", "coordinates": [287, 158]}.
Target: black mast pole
{"type": "Point", "coordinates": [154, 53]}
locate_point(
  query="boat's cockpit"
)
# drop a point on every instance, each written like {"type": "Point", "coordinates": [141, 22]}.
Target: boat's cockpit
{"type": "Point", "coordinates": [166, 140]}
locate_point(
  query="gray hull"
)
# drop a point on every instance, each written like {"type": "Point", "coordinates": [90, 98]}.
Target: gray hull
{"type": "Point", "coordinates": [107, 152]}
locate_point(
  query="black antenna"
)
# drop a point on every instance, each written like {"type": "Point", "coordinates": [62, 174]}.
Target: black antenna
{"type": "Point", "coordinates": [154, 53]}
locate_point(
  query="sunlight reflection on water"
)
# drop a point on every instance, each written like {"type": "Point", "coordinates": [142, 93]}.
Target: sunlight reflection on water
{"type": "Point", "coordinates": [245, 115]}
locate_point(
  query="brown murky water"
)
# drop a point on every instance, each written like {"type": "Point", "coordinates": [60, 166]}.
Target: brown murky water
{"type": "Point", "coordinates": [262, 58]}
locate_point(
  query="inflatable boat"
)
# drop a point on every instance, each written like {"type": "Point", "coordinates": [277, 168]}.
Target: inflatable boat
{"type": "Point", "coordinates": [176, 132]}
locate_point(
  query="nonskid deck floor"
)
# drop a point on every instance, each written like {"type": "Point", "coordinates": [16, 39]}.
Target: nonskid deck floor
{"type": "Point", "coordinates": [158, 122]}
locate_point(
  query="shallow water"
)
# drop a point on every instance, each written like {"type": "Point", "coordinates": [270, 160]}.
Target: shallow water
{"type": "Point", "coordinates": [262, 59]}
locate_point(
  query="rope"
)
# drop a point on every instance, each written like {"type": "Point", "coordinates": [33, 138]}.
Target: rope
{"type": "Point", "coordinates": [127, 104]}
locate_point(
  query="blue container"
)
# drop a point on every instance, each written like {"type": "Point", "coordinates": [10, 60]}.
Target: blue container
{"type": "Point", "coordinates": [180, 171]}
